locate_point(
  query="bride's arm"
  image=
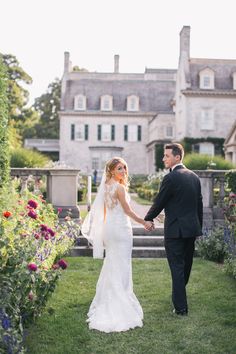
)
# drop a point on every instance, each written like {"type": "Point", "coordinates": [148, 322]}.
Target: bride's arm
{"type": "Point", "coordinates": [125, 205]}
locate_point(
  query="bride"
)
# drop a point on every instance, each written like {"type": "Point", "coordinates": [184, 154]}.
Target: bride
{"type": "Point", "coordinates": [115, 307]}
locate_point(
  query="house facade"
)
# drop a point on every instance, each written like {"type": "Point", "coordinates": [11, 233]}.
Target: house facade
{"type": "Point", "coordinates": [115, 114]}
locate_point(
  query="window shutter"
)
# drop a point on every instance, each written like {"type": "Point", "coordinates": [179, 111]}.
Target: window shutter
{"type": "Point", "coordinates": [72, 132]}
{"type": "Point", "coordinates": [99, 132]}
{"type": "Point", "coordinates": [86, 131]}
{"type": "Point", "coordinates": [139, 132]}
{"type": "Point", "coordinates": [125, 132]}
{"type": "Point", "coordinates": [112, 132]}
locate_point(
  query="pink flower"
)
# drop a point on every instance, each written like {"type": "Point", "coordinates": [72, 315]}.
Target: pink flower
{"type": "Point", "coordinates": [31, 295]}
{"type": "Point", "coordinates": [59, 210]}
{"type": "Point", "coordinates": [43, 227]}
{"type": "Point", "coordinates": [46, 237]}
{"type": "Point", "coordinates": [51, 232]}
{"type": "Point", "coordinates": [32, 203]}
{"type": "Point", "coordinates": [32, 214]}
{"type": "Point", "coordinates": [32, 266]}
{"type": "Point", "coordinates": [62, 263]}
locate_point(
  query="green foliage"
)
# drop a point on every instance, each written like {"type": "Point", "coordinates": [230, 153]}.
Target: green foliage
{"type": "Point", "coordinates": [230, 266]}
{"type": "Point", "coordinates": [190, 144]}
{"type": "Point", "coordinates": [136, 181]}
{"type": "Point", "coordinates": [151, 186]}
{"type": "Point", "coordinates": [203, 162]}
{"type": "Point", "coordinates": [47, 106]}
{"type": "Point", "coordinates": [30, 235]}
{"type": "Point", "coordinates": [159, 151]}
{"type": "Point", "coordinates": [231, 180]}
{"type": "Point", "coordinates": [27, 158]}
{"type": "Point", "coordinates": [4, 147]}
{"type": "Point", "coordinates": [212, 245]}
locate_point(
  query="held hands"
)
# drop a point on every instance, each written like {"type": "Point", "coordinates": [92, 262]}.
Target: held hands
{"type": "Point", "coordinates": [149, 225]}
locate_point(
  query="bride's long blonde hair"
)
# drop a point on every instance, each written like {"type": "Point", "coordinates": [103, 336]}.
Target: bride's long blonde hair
{"type": "Point", "coordinates": [111, 165]}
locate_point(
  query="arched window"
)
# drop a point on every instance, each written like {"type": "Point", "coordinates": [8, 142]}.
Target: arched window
{"type": "Point", "coordinates": [207, 79]}
{"type": "Point", "coordinates": [80, 103]}
{"type": "Point", "coordinates": [133, 103]}
{"type": "Point", "coordinates": [106, 103]}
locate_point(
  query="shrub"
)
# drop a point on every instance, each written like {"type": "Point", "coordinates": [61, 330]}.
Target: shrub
{"type": "Point", "coordinates": [212, 245]}
{"type": "Point", "coordinates": [4, 148]}
{"type": "Point", "coordinates": [27, 158]}
{"type": "Point", "coordinates": [136, 181]}
{"type": "Point", "coordinates": [203, 162]}
{"type": "Point", "coordinates": [231, 180]}
{"type": "Point", "coordinates": [230, 266]}
{"type": "Point", "coordinates": [31, 246]}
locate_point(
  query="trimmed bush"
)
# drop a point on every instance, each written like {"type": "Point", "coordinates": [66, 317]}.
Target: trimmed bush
{"type": "Point", "coordinates": [27, 158]}
{"type": "Point", "coordinates": [205, 162]}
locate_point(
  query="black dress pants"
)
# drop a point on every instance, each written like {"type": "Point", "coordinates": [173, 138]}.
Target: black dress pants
{"type": "Point", "coordinates": [179, 253]}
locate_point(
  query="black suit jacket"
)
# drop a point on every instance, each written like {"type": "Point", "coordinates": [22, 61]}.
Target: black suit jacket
{"type": "Point", "coordinates": [180, 196]}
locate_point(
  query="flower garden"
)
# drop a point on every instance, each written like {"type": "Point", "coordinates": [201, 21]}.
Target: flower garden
{"type": "Point", "coordinates": [32, 245]}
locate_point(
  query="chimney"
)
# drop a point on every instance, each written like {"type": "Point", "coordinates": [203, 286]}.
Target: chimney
{"type": "Point", "coordinates": [185, 41]}
{"type": "Point", "coordinates": [116, 63]}
{"type": "Point", "coordinates": [67, 63]}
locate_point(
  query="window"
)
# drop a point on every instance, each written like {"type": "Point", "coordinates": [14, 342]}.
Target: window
{"type": "Point", "coordinates": [79, 132]}
{"type": "Point", "coordinates": [207, 119]}
{"type": "Point", "coordinates": [169, 132]}
{"type": "Point", "coordinates": [234, 80]}
{"type": "Point", "coordinates": [132, 103]}
{"type": "Point", "coordinates": [106, 103]}
{"type": "Point", "coordinates": [106, 132]}
{"type": "Point", "coordinates": [207, 77]}
{"type": "Point", "coordinates": [132, 132]}
{"type": "Point", "coordinates": [80, 103]}
{"type": "Point", "coordinates": [95, 163]}
{"type": "Point", "coordinates": [206, 148]}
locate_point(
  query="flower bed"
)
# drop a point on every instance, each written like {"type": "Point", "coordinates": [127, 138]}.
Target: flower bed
{"type": "Point", "coordinates": [32, 245]}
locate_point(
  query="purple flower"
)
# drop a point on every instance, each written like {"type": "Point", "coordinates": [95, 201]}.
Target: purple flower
{"type": "Point", "coordinates": [32, 203]}
{"type": "Point", "coordinates": [62, 263]}
{"type": "Point", "coordinates": [32, 214]}
{"type": "Point", "coordinates": [32, 266]}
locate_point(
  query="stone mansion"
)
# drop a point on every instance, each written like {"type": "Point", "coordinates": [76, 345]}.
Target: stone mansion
{"type": "Point", "coordinates": [115, 114]}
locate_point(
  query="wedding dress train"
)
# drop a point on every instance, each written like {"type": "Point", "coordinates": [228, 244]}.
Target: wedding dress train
{"type": "Point", "coordinates": [115, 307]}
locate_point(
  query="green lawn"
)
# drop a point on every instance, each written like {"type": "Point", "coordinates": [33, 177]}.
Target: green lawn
{"type": "Point", "coordinates": [210, 327]}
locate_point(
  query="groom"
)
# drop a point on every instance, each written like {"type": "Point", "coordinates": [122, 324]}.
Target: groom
{"type": "Point", "coordinates": [180, 197]}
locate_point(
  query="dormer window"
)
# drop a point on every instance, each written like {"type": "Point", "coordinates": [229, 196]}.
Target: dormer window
{"type": "Point", "coordinates": [207, 79]}
{"type": "Point", "coordinates": [80, 103]}
{"type": "Point", "coordinates": [234, 80]}
{"type": "Point", "coordinates": [133, 103]}
{"type": "Point", "coordinates": [106, 103]}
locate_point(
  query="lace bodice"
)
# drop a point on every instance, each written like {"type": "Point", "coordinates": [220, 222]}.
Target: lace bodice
{"type": "Point", "coordinates": [110, 197]}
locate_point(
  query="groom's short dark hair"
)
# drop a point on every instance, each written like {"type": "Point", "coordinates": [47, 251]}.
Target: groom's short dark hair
{"type": "Point", "coordinates": [177, 149]}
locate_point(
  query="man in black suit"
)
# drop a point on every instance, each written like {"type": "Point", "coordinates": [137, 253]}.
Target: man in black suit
{"type": "Point", "coordinates": [180, 197]}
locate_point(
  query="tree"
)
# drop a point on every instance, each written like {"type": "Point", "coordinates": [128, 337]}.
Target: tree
{"type": "Point", "coordinates": [4, 151]}
{"type": "Point", "coordinates": [47, 106]}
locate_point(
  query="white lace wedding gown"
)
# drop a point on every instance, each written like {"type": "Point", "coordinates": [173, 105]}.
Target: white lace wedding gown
{"type": "Point", "coordinates": [115, 307]}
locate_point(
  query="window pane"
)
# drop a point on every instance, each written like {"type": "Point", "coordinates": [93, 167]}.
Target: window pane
{"type": "Point", "coordinates": [169, 131]}
{"type": "Point", "coordinates": [132, 132]}
{"type": "Point", "coordinates": [95, 163]}
{"type": "Point", "coordinates": [207, 149]}
{"type": "Point", "coordinates": [79, 132]}
{"type": "Point", "coordinates": [207, 119]}
{"type": "Point", "coordinates": [106, 132]}
{"type": "Point", "coordinates": [206, 81]}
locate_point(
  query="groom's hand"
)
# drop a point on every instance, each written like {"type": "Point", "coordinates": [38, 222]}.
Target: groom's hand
{"type": "Point", "coordinates": [149, 225]}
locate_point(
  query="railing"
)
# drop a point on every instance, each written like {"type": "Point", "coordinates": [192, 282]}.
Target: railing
{"type": "Point", "coordinates": [61, 186]}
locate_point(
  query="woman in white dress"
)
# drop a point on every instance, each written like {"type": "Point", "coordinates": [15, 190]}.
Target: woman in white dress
{"type": "Point", "coordinates": [115, 307]}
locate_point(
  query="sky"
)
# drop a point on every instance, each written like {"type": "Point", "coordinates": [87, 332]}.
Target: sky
{"type": "Point", "coordinates": [145, 33]}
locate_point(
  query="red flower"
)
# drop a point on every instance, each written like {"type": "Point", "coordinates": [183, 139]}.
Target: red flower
{"type": "Point", "coordinates": [55, 266]}
{"type": "Point", "coordinates": [7, 214]}
{"type": "Point", "coordinates": [37, 236]}
{"type": "Point", "coordinates": [32, 214]}
{"type": "Point", "coordinates": [59, 210]}
{"type": "Point", "coordinates": [43, 227]}
{"type": "Point", "coordinates": [46, 237]}
{"type": "Point", "coordinates": [62, 263]}
{"type": "Point", "coordinates": [32, 266]}
{"type": "Point", "coordinates": [32, 203]}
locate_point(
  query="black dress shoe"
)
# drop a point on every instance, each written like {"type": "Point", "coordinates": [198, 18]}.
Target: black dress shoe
{"type": "Point", "coordinates": [183, 312]}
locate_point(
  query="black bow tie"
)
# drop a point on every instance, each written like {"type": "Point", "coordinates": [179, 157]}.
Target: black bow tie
{"type": "Point", "coordinates": [170, 169]}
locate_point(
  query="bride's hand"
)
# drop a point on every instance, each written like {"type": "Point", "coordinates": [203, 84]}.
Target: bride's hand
{"type": "Point", "coordinates": [149, 225]}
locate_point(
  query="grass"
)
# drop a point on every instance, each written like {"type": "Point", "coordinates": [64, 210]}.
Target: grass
{"type": "Point", "coordinates": [210, 327]}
